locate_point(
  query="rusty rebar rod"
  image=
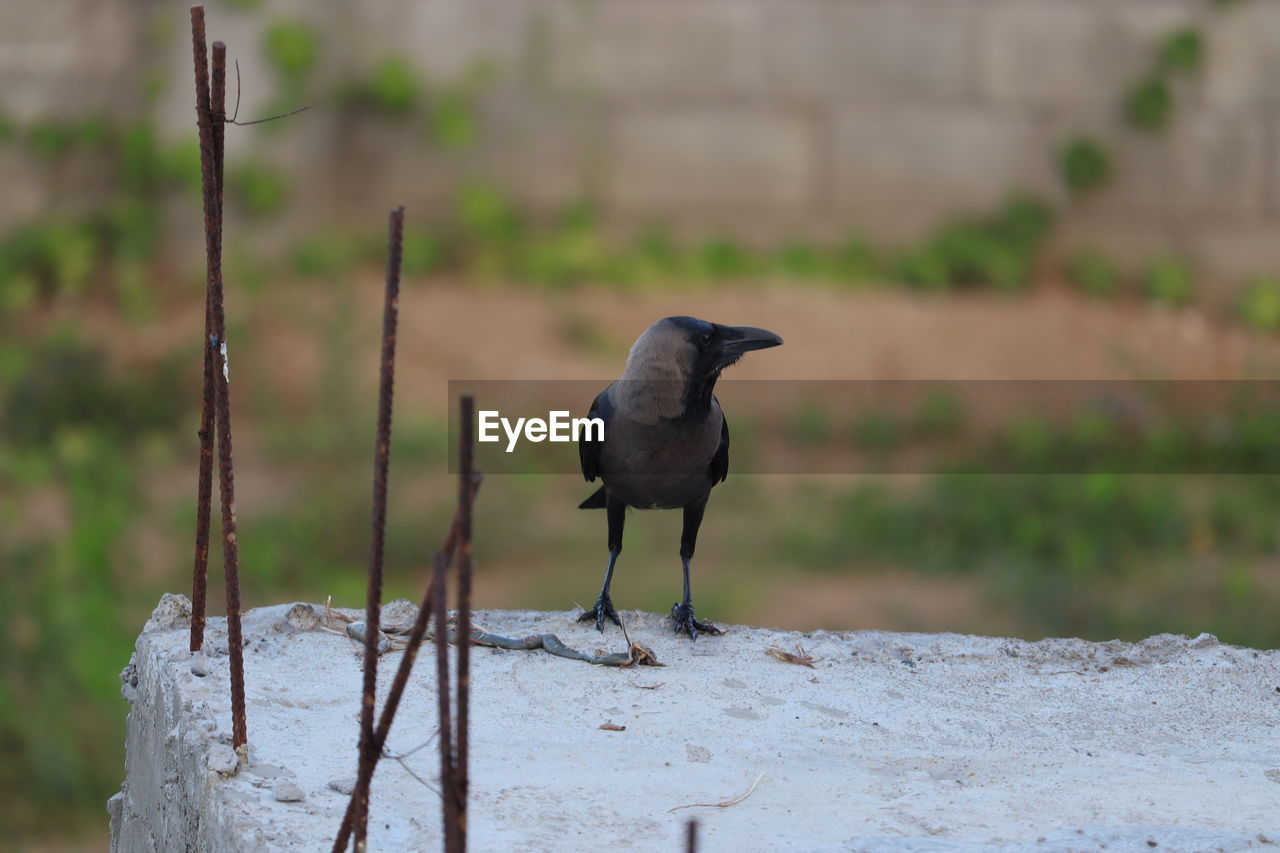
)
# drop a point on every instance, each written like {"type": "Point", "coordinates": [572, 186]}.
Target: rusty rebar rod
{"type": "Point", "coordinates": [381, 463]}
{"type": "Point", "coordinates": [210, 115]}
{"type": "Point", "coordinates": [461, 756]}
{"type": "Point", "coordinates": [218, 128]}
{"type": "Point", "coordinates": [691, 836]}
{"type": "Point", "coordinates": [204, 486]}
{"type": "Point", "coordinates": [440, 562]}
{"type": "Point", "coordinates": [222, 397]}
{"type": "Point", "coordinates": [448, 811]}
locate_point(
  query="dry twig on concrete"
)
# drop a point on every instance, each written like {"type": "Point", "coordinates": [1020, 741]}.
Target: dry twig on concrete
{"type": "Point", "coordinates": [721, 805]}
{"type": "Point", "coordinates": [799, 657]}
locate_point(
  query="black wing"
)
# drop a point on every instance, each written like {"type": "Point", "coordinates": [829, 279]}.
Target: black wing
{"type": "Point", "coordinates": [589, 451]}
{"type": "Point", "coordinates": [720, 462]}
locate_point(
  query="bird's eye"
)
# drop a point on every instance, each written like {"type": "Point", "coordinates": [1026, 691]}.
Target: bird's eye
{"type": "Point", "coordinates": [704, 339]}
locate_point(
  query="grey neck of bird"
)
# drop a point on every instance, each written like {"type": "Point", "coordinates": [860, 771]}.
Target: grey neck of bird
{"type": "Point", "coordinates": [651, 389]}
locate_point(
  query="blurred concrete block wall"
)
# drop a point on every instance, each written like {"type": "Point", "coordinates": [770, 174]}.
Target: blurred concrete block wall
{"type": "Point", "coordinates": [764, 118]}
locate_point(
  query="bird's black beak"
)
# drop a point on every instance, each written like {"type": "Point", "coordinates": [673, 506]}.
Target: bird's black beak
{"type": "Point", "coordinates": [737, 340]}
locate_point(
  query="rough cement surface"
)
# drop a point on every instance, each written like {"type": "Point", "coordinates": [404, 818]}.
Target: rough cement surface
{"type": "Point", "coordinates": [902, 742]}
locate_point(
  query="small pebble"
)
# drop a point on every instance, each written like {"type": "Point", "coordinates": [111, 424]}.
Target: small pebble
{"type": "Point", "coordinates": [400, 612]}
{"type": "Point", "coordinates": [173, 612]}
{"type": "Point", "coordinates": [199, 665]}
{"type": "Point", "coordinates": [288, 792]}
{"type": "Point", "coordinates": [343, 785]}
{"type": "Point", "coordinates": [302, 617]}
{"type": "Point", "coordinates": [223, 759]}
{"type": "Point", "coordinates": [355, 631]}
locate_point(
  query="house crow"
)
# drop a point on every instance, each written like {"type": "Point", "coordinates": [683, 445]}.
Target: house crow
{"type": "Point", "coordinates": [666, 441]}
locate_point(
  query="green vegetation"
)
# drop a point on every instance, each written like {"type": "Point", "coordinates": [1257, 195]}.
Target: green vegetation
{"type": "Point", "coordinates": [877, 432]}
{"type": "Point", "coordinates": [452, 115]}
{"type": "Point", "coordinates": [1150, 103]}
{"type": "Point", "coordinates": [448, 111]}
{"type": "Point", "coordinates": [53, 138]}
{"type": "Point", "coordinates": [292, 48]}
{"type": "Point", "coordinates": [487, 237]}
{"type": "Point", "coordinates": [995, 251]}
{"type": "Point", "coordinates": [1064, 550]}
{"type": "Point", "coordinates": [1085, 165]}
{"type": "Point", "coordinates": [328, 255]}
{"type": "Point", "coordinates": [1093, 272]}
{"type": "Point", "coordinates": [721, 258]}
{"type": "Point", "coordinates": [423, 254]}
{"type": "Point", "coordinates": [802, 260]}
{"type": "Point", "coordinates": [484, 212]}
{"type": "Point", "coordinates": [1061, 547]}
{"type": "Point", "coordinates": [260, 190]}
{"type": "Point", "coordinates": [452, 123]}
{"type": "Point", "coordinates": [48, 258]}
{"type": "Point", "coordinates": [292, 51]}
{"type": "Point", "coordinates": [1260, 305]}
{"type": "Point", "coordinates": [810, 425]}
{"type": "Point", "coordinates": [922, 269]}
{"type": "Point", "coordinates": [105, 250]}
{"type": "Point", "coordinates": [393, 87]}
{"type": "Point", "coordinates": [940, 415]}
{"type": "Point", "coordinates": [66, 386]}
{"type": "Point", "coordinates": [68, 424]}
{"type": "Point", "coordinates": [1169, 281]}
{"type": "Point", "coordinates": [1182, 51]}
{"type": "Point", "coordinates": [857, 260]}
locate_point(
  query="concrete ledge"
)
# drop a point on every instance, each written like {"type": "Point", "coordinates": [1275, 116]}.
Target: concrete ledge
{"type": "Point", "coordinates": [927, 742]}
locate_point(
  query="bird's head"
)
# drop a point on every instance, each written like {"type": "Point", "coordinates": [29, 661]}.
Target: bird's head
{"type": "Point", "coordinates": [707, 348]}
{"type": "Point", "coordinates": [689, 354]}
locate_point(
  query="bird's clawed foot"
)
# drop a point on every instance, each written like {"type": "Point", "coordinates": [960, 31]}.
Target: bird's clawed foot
{"type": "Point", "coordinates": [683, 620]}
{"type": "Point", "coordinates": [603, 610]}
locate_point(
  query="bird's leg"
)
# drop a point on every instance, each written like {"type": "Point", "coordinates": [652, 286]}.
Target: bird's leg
{"type": "Point", "coordinates": [616, 511]}
{"type": "Point", "coordinates": [604, 606]}
{"type": "Point", "coordinates": [682, 614]}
